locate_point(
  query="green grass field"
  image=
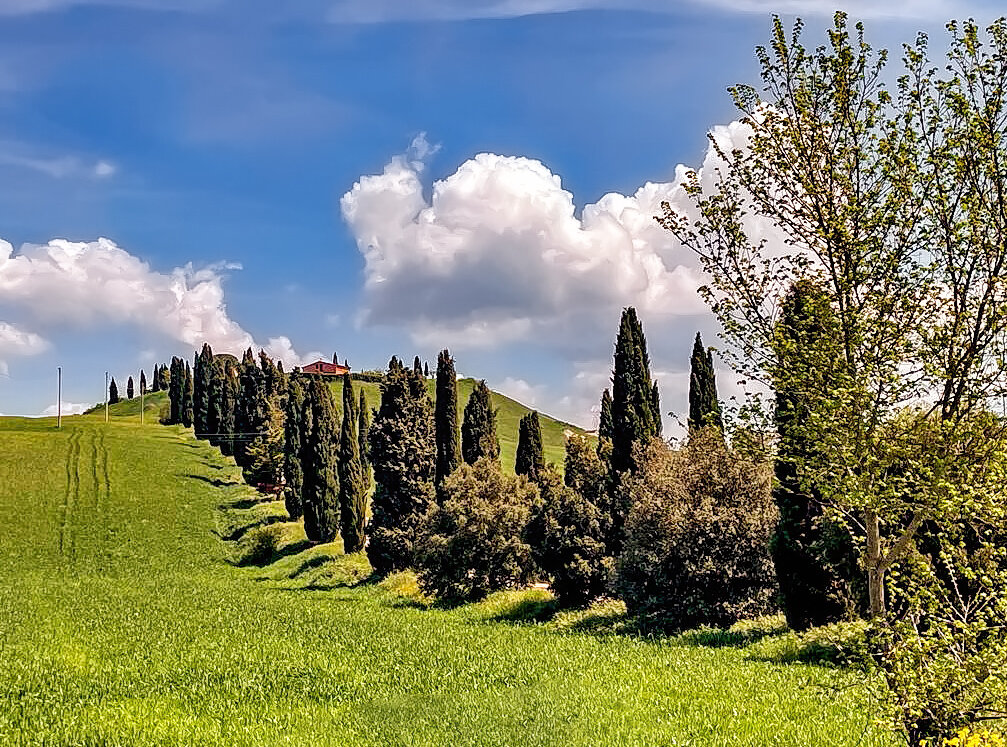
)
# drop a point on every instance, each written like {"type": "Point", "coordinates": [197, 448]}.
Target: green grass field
{"type": "Point", "coordinates": [123, 621]}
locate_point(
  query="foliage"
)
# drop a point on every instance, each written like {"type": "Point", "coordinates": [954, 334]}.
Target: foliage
{"type": "Point", "coordinates": [449, 448]}
{"type": "Point", "coordinates": [260, 544]}
{"type": "Point", "coordinates": [704, 406]}
{"type": "Point", "coordinates": [696, 538]}
{"type": "Point", "coordinates": [352, 488]}
{"type": "Point", "coordinates": [265, 453]}
{"type": "Point", "coordinates": [202, 377]}
{"type": "Point", "coordinates": [113, 392]}
{"type": "Point", "coordinates": [293, 437]}
{"type": "Point", "coordinates": [568, 541]}
{"type": "Point", "coordinates": [319, 459]}
{"type": "Point", "coordinates": [363, 427]}
{"type": "Point", "coordinates": [143, 382]}
{"type": "Point", "coordinates": [479, 433]}
{"type": "Point", "coordinates": [836, 644]}
{"type": "Point", "coordinates": [605, 425]}
{"type": "Point", "coordinates": [176, 384]}
{"type": "Point", "coordinates": [472, 543]}
{"type": "Point", "coordinates": [129, 388]}
{"type": "Point", "coordinates": [813, 552]}
{"type": "Point", "coordinates": [529, 460]}
{"type": "Point", "coordinates": [187, 413]}
{"type": "Point", "coordinates": [402, 454]}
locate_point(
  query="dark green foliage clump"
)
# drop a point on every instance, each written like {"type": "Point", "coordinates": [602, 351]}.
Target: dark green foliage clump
{"type": "Point", "coordinates": [163, 378]}
{"type": "Point", "coordinates": [605, 425]}
{"type": "Point", "coordinates": [224, 402]}
{"type": "Point", "coordinates": [814, 555]}
{"type": "Point", "coordinates": [529, 461]}
{"type": "Point", "coordinates": [352, 487]}
{"type": "Point", "coordinates": [143, 382]}
{"type": "Point", "coordinates": [187, 409]}
{"type": "Point", "coordinates": [696, 540]}
{"type": "Point", "coordinates": [704, 407]}
{"type": "Point", "coordinates": [363, 427]}
{"type": "Point", "coordinates": [567, 535]}
{"type": "Point", "coordinates": [202, 384]}
{"type": "Point", "coordinates": [633, 418]}
{"type": "Point", "coordinates": [479, 430]}
{"type": "Point", "coordinates": [253, 414]}
{"type": "Point", "coordinates": [402, 454]}
{"type": "Point", "coordinates": [293, 436]}
{"type": "Point", "coordinates": [319, 460]}
{"type": "Point", "coordinates": [176, 384]}
{"type": "Point", "coordinates": [129, 388]}
{"type": "Point", "coordinates": [113, 392]}
{"type": "Point", "coordinates": [472, 543]}
{"type": "Point", "coordinates": [449, 448]}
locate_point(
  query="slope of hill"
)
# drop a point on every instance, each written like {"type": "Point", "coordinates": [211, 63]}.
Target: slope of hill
{"type": "Point", "coordinates": [123, 622]}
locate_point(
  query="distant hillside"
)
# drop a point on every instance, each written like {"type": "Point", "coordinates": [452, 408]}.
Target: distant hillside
{"type": "Point", "coordinates": [509, 413]}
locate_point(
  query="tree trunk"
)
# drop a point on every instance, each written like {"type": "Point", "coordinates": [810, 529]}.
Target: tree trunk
{"type": "Point", "coordinates": [874, 562]}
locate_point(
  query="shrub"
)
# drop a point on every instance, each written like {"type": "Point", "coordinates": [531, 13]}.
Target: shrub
{"type": "Point", "coordinates": [472, 544]}
{"type": "Point", "coordinates": [568, 542]}
{"type": "Point", "coordinates": [696, 538]}
{"type": "Point", "coordinates": [260, 544]}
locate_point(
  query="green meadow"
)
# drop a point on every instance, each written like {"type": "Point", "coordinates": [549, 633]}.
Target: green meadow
{"type": "Point", "coordinates": [127, 618]}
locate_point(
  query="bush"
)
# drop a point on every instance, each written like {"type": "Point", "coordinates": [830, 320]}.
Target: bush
{"type": "Point", "coordinates": [259, 545]}
{"type": "Point", "coordinates": [473, 544]}
{"type": "Point", "coordinates": [568, 542]}
{"type": "Point", "coordinates": [696, 538]}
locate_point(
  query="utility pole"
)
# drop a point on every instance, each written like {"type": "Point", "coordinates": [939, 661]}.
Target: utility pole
{"type": "Point", "coordinates": [106, 396]}
{"type": "Point", "coordinates": [141, 401]}
{"type": "Point", "coordinates": [59, 396]}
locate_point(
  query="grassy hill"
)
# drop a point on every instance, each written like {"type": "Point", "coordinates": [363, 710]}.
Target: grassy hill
{"type": "Point", "coordinates": [125, 622]}
{"type": "Point", "coordinates": [509, 414]}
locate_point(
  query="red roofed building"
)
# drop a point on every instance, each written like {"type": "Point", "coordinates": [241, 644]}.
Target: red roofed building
{"type": "Point", "coordinates": [321, 368]}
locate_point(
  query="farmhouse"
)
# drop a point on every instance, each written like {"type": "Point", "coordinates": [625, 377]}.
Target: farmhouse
{"type": "Point", "coordinates": [322, 368]}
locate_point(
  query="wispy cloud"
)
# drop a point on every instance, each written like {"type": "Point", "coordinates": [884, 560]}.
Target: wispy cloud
{"type": "Point", "coordinates": [57, 166]}
{"type": "Point", "coordinates": [27, 7]}
{"type": "Point", "coordinates": [385, 11]}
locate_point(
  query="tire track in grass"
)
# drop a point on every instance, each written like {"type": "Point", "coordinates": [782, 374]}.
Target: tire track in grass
{"type": "Point", "coordinates": [71, 489]}
{"type": "Point", "coordinates": [105, 491]}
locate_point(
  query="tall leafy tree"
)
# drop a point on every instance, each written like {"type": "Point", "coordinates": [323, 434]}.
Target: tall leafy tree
{"type": "Point", "coordinates": [164, 378]}
{"type": "Point", "coordinates": [479, 429]}
{"type": "Point", "coordinates": [320, 462]}
{"type": "Point", "coordinates": [253, 406]}
{"type": "Point", "coordinates": [143, 382]}
{"type": "Point", "coordinates": [605, 424]}
{"type": "Point", "coordinates": [202, 375]}
{"type": "Point", "coordinates": [417, 366]}
{"type": "Point", "coordinates": [187, 408]}
{"type": "Point", "coordinates": [352, 486]}
{"type": "Point", "coordinates": [129, 388]}
{"type": "Point", "coordinates": [403, 457]}
{"type": "Point", "coordinates": [113, 392]}
{"type": "Point", "coordinates": [530, 460]}
{"type": "Point", "coordinates": [449, 449]}
{"type": "Point", "coordinates": [224, 401]}
{"type": "Point", "coordinates": [155, 379]}
{"type": "Point", "coordinates": [293, 437]}
{"type": "Point", "coordinates": [704, 407]}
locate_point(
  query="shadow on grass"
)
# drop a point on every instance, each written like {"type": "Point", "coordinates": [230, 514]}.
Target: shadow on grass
{"type": "Point", "coordinates": [247, 502]}
{"type": "Point", "coordinates": [286, 551]}
{"type": "Point", "coordinates": [264, 521]}
{"type": "Point", "coordinates": [214, 481]}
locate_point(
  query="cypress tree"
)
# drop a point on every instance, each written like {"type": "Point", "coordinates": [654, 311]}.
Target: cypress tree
{"type": "Point", "coordinates": [816, 563]}
{"type": "Point", "coordinates": [293, 429]}
{"type": "Point", "coordinates": [633, 418]}
{"type": "Point", "coordinates": [164, 380]}
{"type": "Point", "coordinates": [530, 461]}
{"type": "Point", "coordinates": [253, 407]}
{"type": "Point", "coordinates": [479, 429]}
{"type": "Point", "coordinates": [605, 426]}
{"type": "Point", "coordinates": [363, 427]}
{"type": "Point", "coordinates": [403, 457]}
{"type": "Point", "coordinates": [426, 370]}
{"type": "Point", "coordinates": [155, 380]}
{"type": "Point", "coordinates": [187, 409]}
{"type": "Point", "coordinates": [320, 462]}
{"type": "Point", "coordinates": [202, 375]}
{"type": "Point", "coordinates": [113, 392]}
{"type": "Point", "coordinates": [143, 382]}
{"type": "Point", "coordinates": [655, 407]}
{"type": "Point", "coordinates": [449, 446]}
{"type": "Point", "coordinates": [223, 402]}
{"type": "Point", "coordinates": [176, 384]}
{"type": "Point", "coordinates": [417, 366]}
{"type": "Point", "coordinates": [352, 487]}
{"type": "Point", "coordinates": [272, 376]}
{"type": "Point", "coordinates": [129, 388]}
{"type": "Point", "coordinates": [704, 407]}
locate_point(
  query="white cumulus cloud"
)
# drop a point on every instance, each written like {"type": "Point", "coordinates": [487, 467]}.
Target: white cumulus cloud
{"type": "Point", "coordinates": [15, 341]}
{"type": "Point", "coordinates": [69, 408]}
{"type": "Point", "coordinates": [498, 253]}
{"type": "Point", "coordinates": [86, 284]}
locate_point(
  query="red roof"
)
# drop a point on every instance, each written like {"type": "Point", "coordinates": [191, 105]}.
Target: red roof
{"type": "Point", "coordinates": [325, 369]}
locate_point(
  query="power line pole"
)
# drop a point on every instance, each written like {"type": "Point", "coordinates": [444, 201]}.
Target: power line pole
{"type": "Point", "coordinates": [142, 387]}
{"type": "Point", "coordinates": [106, 396]}
{"type": "Point", "coordinates": [59, 396]}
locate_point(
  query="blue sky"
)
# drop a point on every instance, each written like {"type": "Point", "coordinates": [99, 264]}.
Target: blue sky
{"type": "Point", "coordinates": [371, 178]}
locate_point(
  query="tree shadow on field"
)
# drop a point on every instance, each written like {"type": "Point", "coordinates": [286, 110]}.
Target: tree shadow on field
{"type": "Point", "coordinates": [214, 481]}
